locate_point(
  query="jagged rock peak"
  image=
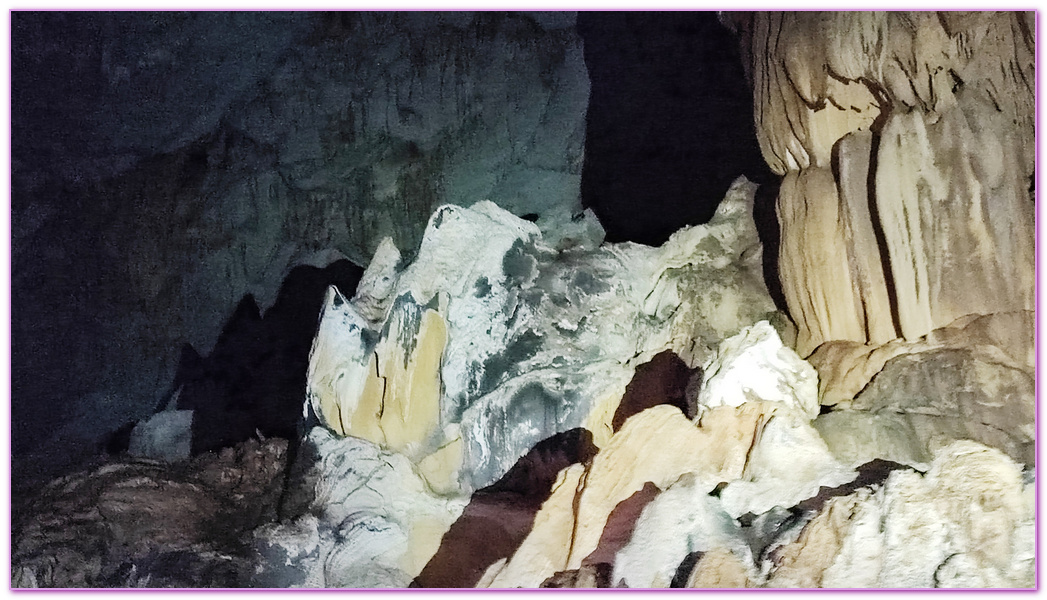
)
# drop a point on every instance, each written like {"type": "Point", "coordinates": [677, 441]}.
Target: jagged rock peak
{"type": "Point", "coordinates": [515, 340]}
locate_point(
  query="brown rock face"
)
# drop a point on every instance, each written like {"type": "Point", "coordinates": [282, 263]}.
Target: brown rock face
{"type": "Point", "coordinates": [906, 143]}
{"type": "Point", "coordinates": [144, 524]}
{"type": "Point", "coordinates": [588, 576]}
{"type": "Point", "coordinates": [500, 516]}
{"type": "Point", "coordinates": [663, 380]}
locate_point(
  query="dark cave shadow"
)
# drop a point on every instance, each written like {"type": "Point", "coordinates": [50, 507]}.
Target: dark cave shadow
{"type": "Point", "coordinates": [503, 513]}
{"type": "Point", "coordinates": [253, 381]}
{"type": "Point", "coordinates": [765, 215]}
{"type": "Point", "coordinates": [669, 125]}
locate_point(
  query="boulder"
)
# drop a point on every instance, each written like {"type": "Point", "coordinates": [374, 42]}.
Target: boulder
{"type": "Point", "coordinates": [165, 436]}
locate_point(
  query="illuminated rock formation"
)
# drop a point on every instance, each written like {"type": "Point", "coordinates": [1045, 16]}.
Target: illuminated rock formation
{"type": "Point", "coordinates": [967, 522]}
{"type": "Point", "coordinates": [364, 518]}
{"type": "Point", "coordinates": [906, 143]}
{"type": "Point", "coordinates": [514, 341]}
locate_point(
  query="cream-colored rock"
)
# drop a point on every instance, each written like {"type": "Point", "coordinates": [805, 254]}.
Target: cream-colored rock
{"type": "Point", "coordinates": [569, 524]}
{"type": "Point", "coordinates": [374, 292]}
{"type": "Point", "coordinates": [721, 568]}
{"type": "Point", "coordinates": [339, 363]}
{"type": "Point", "coordinates": [958, 241]}
{"type": "Point", "coordinates": [400, 404]}
{"type": "Point", "coordinates": [973, 379]}
{"type": "Point", "coordinates": [906, 141]}
{"type": "Point", "coordinates": [440, 469]}
{"type": "Point", "coordinates": [955, 394]}
{"type": "Point", "coordinates": [813, 261]}
{"type": "Point", "coordinates": [821, 75]}
{"type": "Point", "coordinates": [492, 571]}
{"type": "Point", "coordinates": [788, 463]}
{"type": "Point", "coordinates": [803, 563]}
{"type": "Point", "coordinates": [755, 365]}
{"type": "Point", "coordinates": [389, 394]}
{"type": "Point", "coordinates": [966, 522]}
{"type": "Point", "coordinates": [846, 368]}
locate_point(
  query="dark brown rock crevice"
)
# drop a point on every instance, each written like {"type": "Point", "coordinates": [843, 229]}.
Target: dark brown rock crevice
{"type": "Point", "coordinates": [501, 515]}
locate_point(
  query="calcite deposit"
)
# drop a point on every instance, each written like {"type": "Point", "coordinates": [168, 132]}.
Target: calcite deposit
{"type": "Point", "coordinates": [515, 402]}
{"type": "Point", "coordinates": [905, 141]}
{"type": "Point", "coordinates": [538, 340]}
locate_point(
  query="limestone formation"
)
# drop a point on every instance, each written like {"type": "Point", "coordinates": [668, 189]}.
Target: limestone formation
{"type": "Point", "coordinates": [514, 341]}
{"type": "Point", "coordinates": [507, 401]}
{"type": "Point", "coordinates": [569, 526]}
{"type": "Point", "coordinates": [953, 394]}
{"type": "Point", "coordinates": [682, 520]}
{"type": "Point", "coordinates": [755, 365]}
{"type": "Point", "coordinates": [906, 142]}
{"type": "Point", "coordinates": [845, 368]}
{"type": "Point", "coordinates": [973, 379]}
{"type": "Point", "coordinates": [968, 522]}
{"type": "Point", "coordinates": [365, 519]}
{"type": "Point", "coordinates": [720, 569]}
{"type": "Point", "coordinates": [502, 514]}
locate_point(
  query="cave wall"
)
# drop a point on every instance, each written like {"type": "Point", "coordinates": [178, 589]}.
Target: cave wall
{"type": "Point", "coordinates": [168, 165]}
{"type": "Point", "coordinates": [906, 142]}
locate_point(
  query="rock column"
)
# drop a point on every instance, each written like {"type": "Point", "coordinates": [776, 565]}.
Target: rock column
{"type": "Point", "coordinates": [906, 143]}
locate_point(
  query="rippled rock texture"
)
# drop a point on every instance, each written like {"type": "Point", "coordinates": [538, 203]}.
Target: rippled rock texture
{"type": "Point", "coordinates": [514, 403]}
{"type": "Point", "coordinates": [906, 144]}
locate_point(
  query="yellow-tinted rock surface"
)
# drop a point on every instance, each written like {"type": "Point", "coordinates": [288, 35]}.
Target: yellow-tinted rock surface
{"type": "Point", "coordinates": [906, 142]}
{"type": "Point", "coordinates": [569, 525]}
